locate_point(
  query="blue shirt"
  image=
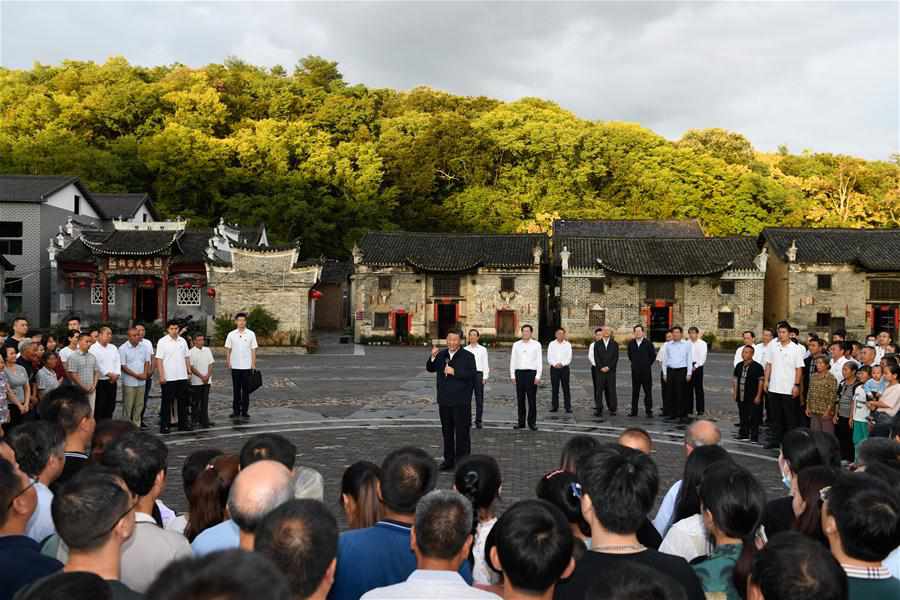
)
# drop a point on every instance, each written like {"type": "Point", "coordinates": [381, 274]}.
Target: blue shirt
{"type": "Point", "coordinates": [663, 519]}
{"type": "Point", "coordinates": [375, 557]}
{"type": "Point", "coordinates": [22, 564]}
{"type": "Point", "coordinates": [875, 386]}
{"type": "Point", "coordinates": [133, 357]}
{"type": "Point", "coordinates": [678, 355]}
{"type": "Point", "coordinates": [224, 536]}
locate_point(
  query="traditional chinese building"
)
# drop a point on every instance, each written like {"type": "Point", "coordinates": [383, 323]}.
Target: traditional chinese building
{"type": "Point", "coordinates": [827, 279]}
{"type": "Point", "coordinates": [131, 272]}
{"type": "Point", "coordinates": [422, 284]}
{"type": "Point", "coordinates": [657, 274]}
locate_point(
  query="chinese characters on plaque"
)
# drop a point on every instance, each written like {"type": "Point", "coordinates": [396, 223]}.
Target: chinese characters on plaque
{"type": "Point", "coordinates": [135, 264]}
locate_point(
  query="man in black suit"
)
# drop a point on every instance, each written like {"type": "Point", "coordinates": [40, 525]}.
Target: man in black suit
{"type": "Point", "coordinates": [641, 354]}
{"type": "Point", "coordinates": [456, 372]}
{"type": "Point", "coordinates": [606, 357]}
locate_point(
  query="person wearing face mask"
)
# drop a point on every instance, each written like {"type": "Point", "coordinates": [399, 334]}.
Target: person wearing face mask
{"type": "Point", "coordinates": [801, 448]}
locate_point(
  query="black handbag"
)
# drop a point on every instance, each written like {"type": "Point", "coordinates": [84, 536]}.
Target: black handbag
{"type": "Point", "coordinates": [255, 380]}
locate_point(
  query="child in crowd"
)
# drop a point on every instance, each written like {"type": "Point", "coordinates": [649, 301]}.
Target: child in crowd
{"type": "Point", "coordinates": [876, 384]}
{"type": "Point", "coordinates": [47, 378]}
{"type": "Point", "coordinates": [859, 411]}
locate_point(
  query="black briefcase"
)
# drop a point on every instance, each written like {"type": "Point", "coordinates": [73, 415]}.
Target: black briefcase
{"type": "Point", "coordinates": [255, 380]}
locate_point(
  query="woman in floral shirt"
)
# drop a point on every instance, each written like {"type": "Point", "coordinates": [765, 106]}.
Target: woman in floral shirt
{"type": "Point", "coordinates": [822, 397]}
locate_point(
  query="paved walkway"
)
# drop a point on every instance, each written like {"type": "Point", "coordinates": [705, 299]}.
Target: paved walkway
{"type": "Point", "coordinates": [350, 403]}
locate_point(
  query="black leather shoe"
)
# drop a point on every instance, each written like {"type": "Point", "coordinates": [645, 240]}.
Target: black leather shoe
{"type": "Point", "coordinates": [164, 430]}
{"type": "Point", "coordinates": [518, 427]}
{"type": "Point", "coordinates": [532, 427]}
{"type": "Point", "coordinates": [553, 410]}
{"type": "Point", "coordinates": [569, 411]}
{"type": "Point", "coordinates": [233, 416]}
{"type": "Point", "coordinates": [445, 466]}
{"type": "Point", "coordinates": [632, 414]}
{"type": "Point", "coordinates": [478, 425]}
{"type": "Point", "coordinates": [650, 415]}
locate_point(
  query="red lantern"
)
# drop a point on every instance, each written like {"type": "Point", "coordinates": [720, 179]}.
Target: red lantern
{"type": "Point", "coordinates": [121, 281]}
{"type": "Point", "coordinates": [82, 283]}
{"type": "Point", "coordinates": [149, 282]}
{"type": "Point", "coordinates": [315, 294]}
{"type": "Point", "coordinates": [211, 292]}
{"type": "Point", "coordinates": [187, 284]}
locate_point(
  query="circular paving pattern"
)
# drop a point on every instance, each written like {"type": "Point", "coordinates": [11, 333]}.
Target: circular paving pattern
{"type": "Point", "coordinates": [330, 445]}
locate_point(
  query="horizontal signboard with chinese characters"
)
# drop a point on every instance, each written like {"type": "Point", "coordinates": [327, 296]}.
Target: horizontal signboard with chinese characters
{"type": "Point", "coordinates": [151, 264]}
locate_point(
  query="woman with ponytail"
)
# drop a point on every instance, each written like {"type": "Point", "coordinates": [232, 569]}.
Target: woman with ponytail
{"type": "Point", "coordinates": [562, 490]}
{"type": "Point", "coordinates": [478, 479]}
{"type": "Point", "coordinates": [732, 502]}
{"type": "Point", "coordinates": [359, 495]}
{"type": "Point", "coordinates": [209, 495]}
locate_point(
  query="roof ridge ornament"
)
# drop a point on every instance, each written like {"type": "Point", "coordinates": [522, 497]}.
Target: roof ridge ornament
{"type": "Point", "coordinates": [792, 251]}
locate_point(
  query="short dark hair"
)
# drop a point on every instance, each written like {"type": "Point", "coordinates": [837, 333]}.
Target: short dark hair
{"type": "Point", "coordinates": [4, 328]}
{"type": "Point", "coordinates": [66, 406]}
{"type": "Point", "coordinates": [475, 331]}
{"type": "Point", "coordinates": [454, 331]}
{"type": "Point", "coordinates": [530, 328]}
{"type": "Point", "coordinates": [239, 315]}
{"type": "Point", "coordinates": [631, 580]}
{"type": "Point", "coordinates": [172, 322]}
{"type": "Point", "coordinates": [138, 457]}
{"type": "Point", "coordinates": [228, 575]}
{"type": "Point", "coordinates": [678, 327]}
{"type": "Point", "coordinates": [563, 329]}
{"type": "Point", "coordinates": [598, 329]}
{"type": "Point", "coordinates": [794, 330]}
{"type": "Point", "coordinates": [77, 585]}
{"type": "Point", "coordinates": [34, 443]}
{"type": "Point", "coordinates": [577, 447]}
{"type": "Point", "coordinates": [71, 318]}
{"type": "Point", "coordinates": [269, 446]}
{"type": "Point", "coordinates": [693, 329]}
{"type": "Point", "coordinates": [9, 488]}
{"type": "Point", "coordinates": [534, 545]}
{"type": "Point", "coordinates": [841, 332]}
{"type": "Point", "coordinates": [17, 319]}
{"type": "Point", "coordinates": [195, 463]}
{"type": "Point", "coordinates": [301, 538]}
{"type": "Point", "coordinates": [408, 473]}
{"type": "Point", "coordinates": [638, 326]}
{"type": "Point", "coordinates": [873, 450]}
{"type": "Point", "coordinates": [622, 484]}
{"type": "Point", "coordinates": [794, 567]}
{"type": "Point", "coordinates": [867, 513]}
{"type": "Point", "coordinates": [783, 325]}
{"type": "Point", "coordinates": [88, 507]}
{"type": "Point", "coordinates": [746, 331]}
{"type": "Point", "coordinates": [443, 523]}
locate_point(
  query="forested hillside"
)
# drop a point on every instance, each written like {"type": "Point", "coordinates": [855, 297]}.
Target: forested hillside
{"type": "Point", "coordinates": [322, 159]}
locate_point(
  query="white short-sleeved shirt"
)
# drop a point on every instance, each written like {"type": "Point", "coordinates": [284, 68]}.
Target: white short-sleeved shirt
{"type": "Point", "coordinates": [65, 353]}
{"type": "Point", "coordinates": [108, 360]}
{"type": "Point", "coordinates": [241, 344]}
{"type": "Point", "coordinates": [201, 359]}
{"type": "Point", "coordinates": [783, 361]}
{"type": "Point", "coordinates": [173, 353]}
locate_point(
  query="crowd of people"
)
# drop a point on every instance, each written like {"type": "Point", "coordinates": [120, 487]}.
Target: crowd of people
{"type": "Point", "coordinates": [81, 517]}
{"type": "Point", "coordinates": [34, 364]}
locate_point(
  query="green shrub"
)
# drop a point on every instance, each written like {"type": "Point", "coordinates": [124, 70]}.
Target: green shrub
{"type": "Point", "coordinates": [709, 338]}
{"type": "Point", "coordinates": [262, 322]}
{"type": "Point", "coordinates": [222, 325]}
{"type": "Point", "coordinates": [154, 331]}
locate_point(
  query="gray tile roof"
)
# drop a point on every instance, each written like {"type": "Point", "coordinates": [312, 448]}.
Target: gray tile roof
{"type": "Point", "coordinates": [661, 257]}
{"type": "Point", "coordinates": [116, 205]}
{"type": "Point", "coordinates": [184, 246]}
{"type": "Point", "coordinates": [871, 249]}
{"type": "Point", "coordinates": [450, 252]}
{"type": "Point", "coordinates": [336, 271]}
{"type": "Point", "coordinates": [31, 188]}
{"type": "Point", "coordinates": [689, 228]}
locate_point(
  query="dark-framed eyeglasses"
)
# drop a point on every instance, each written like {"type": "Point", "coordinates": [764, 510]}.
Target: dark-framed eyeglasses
{"type": "Point", "coordinates": [31, 484]}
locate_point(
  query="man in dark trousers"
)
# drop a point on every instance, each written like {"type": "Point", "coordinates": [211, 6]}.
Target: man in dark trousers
{"type": "Point", "coordinates": [606, 357]}
{"type": "Point", "coordinates": [641, 355]}
{"type": "Point", "coordinates": [456, 371]}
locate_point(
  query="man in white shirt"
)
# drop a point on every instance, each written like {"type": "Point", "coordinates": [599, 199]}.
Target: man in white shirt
{"type": "Point", "coordinates": [699, 349]}
{"type": "Point", "coordinates": [882, 340]}
{"type": "Point", "coordinates": [749, 339]}
{"type": "Point", "coordinates": [481, 377]}
{"type": "Point", "coordinates": [559, 357]}
{"type": "Point", "coordinates": [136, 359]}
{"type": "Point", "coordinates": [142, 334]}
{"type": "Point", "coordinates": [110, 367]}
{"type": "Point", "coordinates": [173, 363]}
{"type": "Point", "coordinates": [201, 378]}
{"type": "Point", "coordinates": [667, 410]}
{"type": "Point", "coordinates": [837, 360]}
{"type": "Point", "coordinates": [525, 364]}
{"type": "Point", "coordinates": [240, 357]}
{"type": "Point", "coordinates": [784, 374]}
{"type": "Point", "coordinates": [441, 540]}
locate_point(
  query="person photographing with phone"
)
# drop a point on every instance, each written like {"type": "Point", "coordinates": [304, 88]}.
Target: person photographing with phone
{"type": "Point", "coordinates": [456, 371]}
